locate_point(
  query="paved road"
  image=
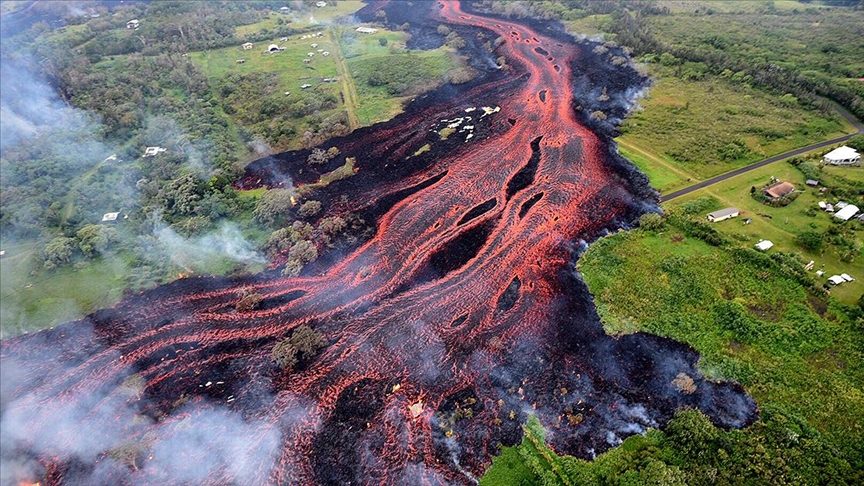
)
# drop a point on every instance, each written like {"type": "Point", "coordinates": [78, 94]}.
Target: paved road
{"type": "Point", "coordinates": [722, 177]}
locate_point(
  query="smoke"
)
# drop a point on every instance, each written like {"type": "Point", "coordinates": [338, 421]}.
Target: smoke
{"type": "Point", "coordinates": [225, 242]}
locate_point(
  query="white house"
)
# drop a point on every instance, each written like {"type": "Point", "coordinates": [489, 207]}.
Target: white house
{"type": "Point", "coordinates": [321, 4]}
{"type": "Point", "coordinates": [842, 156]}
{"type": "Point", "coordinates": [836, 279]}
{"type": "Point", "coordinates": [110, 217]}
{"type": "Point", "coordinates": [274, 48]}
{"type": "Point", "coordinates": [153, 151]}
{"type": "Point", "coordinates": [132, 24]}
{"type": "Point", "coordinates": [247, 46]}
{"type": "Point", "coordinates": [723, 214]}
{"type": "Point", "coordinates": [847, 212]}
{"type": "Point", "coordinates": [366, 30]}
{"type": "Point", "coordinates": [764, 245]}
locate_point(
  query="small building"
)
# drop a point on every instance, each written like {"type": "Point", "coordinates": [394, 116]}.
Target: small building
{"type": "Point", "coordinates": [779, 190]}
{"type": "Point", "coordinates": [822, 205]}
{"type": "Point", "coordinates": [847, 212]}
{"type": "Point", "coordinates": [153, 151]}
{"type": "Point", "coordinates": [325, 53]}
{"type": "Point", "coordinates": [306, 86]}
{"type": "Point", "coordinates": [846, 277]}
{"type": "Point", "coordinates": [841, 204]}
{"type": "Point", "coordinates": [274, 48]}
{"type": "Point", "coordinates": [248, 46]}
{"type": "Point", "coordinates": [240, 61]}
{"type": "Point", "coordinates": [812, 183]}
{"type": "Point", "coordinates": [285, 9]}
{"type": "Point", "coordinates": [321, 4]}
{"type": "Point", "coordinates": [366, 30]}
{"type": "Point", "coordinates": [764, 245]}
{"type": "Point", "coordinates": [283, 39]}
{"type": "Point", "coordinates": [133, 24]}
{"type": "Point", "coordinates": [836, 280]}
{"type": "Point", "coordinates": [314, 45]}
{"type": "Point", "coordinates": [829, 208]}
{"type": "Point", "coordinates": [110, 217]}
{"type": "Point", "coordinates": [307, 61]}
{"type": "Point", "coordinates": [723, 214]}
{"type": "Point", "coordinates": [842, 156]}
{"type": "Point", "coordinates": [310, 54]}
{"type": "Point", "coordinates": [287, 93]}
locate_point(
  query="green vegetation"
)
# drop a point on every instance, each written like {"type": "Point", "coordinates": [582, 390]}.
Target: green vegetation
{"type": "Point", "coordinates": [841, 250]}
{"type": "Point", "coordinates": [692, 129]}
{"type": "Point", "coordinates": [755, 318]}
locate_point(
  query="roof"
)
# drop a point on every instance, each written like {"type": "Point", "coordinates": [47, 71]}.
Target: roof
{"type": "Point", "coordinates": [847, 212]}
{"type": "Point", "coordinates": [812, 182]}
{"type": "Point", "coordinates": [779, 189]}
{"type": "Point", "coordinates": [842, 153]}
{"type": "Point", "coordinates": [723, 213]}
{"type": "Point", "coordinates": [836, 279]}
{"type": "Point", "coordinates": [110, 217]}
{"type": "Point", "coordinates": [272, 46]}
{"type": "Point", "coordinates": [764, 245]}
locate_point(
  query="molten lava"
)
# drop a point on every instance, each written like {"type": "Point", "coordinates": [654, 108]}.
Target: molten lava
{"type": "Point", "coordinates": [458, 319]}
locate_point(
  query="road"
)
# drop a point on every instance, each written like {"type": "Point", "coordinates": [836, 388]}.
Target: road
{"type": "Point", "coordinates": [347, 80]}
{"type": "Point", "coordinates": [722, 177]}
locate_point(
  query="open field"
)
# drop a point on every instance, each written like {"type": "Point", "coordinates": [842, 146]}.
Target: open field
{"type": "Point", "coordinates": [314, 17]}
{"type": "Point", "coordinates": [691, 130]}
{"type": "Point", "coordinates": [782, 225]}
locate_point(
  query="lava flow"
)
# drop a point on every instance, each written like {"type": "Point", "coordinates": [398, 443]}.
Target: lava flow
{"type": "Point", "coordinates": [458, 319]}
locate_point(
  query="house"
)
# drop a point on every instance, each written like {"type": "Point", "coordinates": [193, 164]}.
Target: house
{"type": "Point", "coordinates": [779, 190]}
{"type": "Point", "coordinates": [842, 156]}
{"type": "Point", "coordinates": [310, 54]}
{"type": "Point", "coordinates": [822, 205]}
{"type": "Point", "coordinates": [153, 151]}
{"type": "Point", "coordinates": [847, 212]}
{"type": "Point", "coordinates": [314, 45]}
{"type": "Point", "coordinates": [306, 86]}
{"type": "Point", "coordinates": [829, 208]}
{"type": "Point", "coordinates": [132, 24]}
{"type": "Point", "coordinates": [307, 61]}
{"type": "Point", "coordinates": [812, 183]}
{"type": "Point", "coordinates": [248, 46]}
{"type": "Point", "coordinates": [366, 30]}
{"type": "Point", "coordinates": [110, 217]}
{"type": "Point", "coordinates": [846, 277]}
{"type": "Point", "coordinates": [836, 280]}
{"type": "Point", "coordinates": [723, 214]}
{"type": "Point", "coordinates": [321, 4]}
{"type": "Point", "coordinates": [240, 61]}
{"type": "Point", "coordinates": [764, 245]}
{"type": "Point", "coordinates": [284, 9]}
{"type": "Point", "coordinates": [274, 48]}
{"type": "Point", "coordinates": [325, 53]}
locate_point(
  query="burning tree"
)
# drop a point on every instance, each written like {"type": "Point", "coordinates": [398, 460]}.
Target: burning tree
{"type": "Point", "coordinates": [303, 344]}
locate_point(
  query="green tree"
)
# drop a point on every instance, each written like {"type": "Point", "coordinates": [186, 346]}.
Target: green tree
{"type": "Point", "coordinates": [59, 251]}
{"type": "Point", "coordinates": [309, 209]}
{"type": "Point", "coordinates": [810, 240]}
{"type": "Point", "coordinates": [274, 207]}
{"type": "Point", "coordinates": [651, 221]}
{"type": "Point", "coordinates": [95, 238]}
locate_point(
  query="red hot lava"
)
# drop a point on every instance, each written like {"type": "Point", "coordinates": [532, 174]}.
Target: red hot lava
{"type": "Point", "coordinates": [458, 319]}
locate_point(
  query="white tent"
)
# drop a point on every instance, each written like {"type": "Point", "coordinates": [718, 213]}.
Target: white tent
{"type": "Point", "coordinates": [764, 245]}
{"type": "Point", "coordinates": [842, 156]}
{"type": "Point", "coordinates": [847, 212]}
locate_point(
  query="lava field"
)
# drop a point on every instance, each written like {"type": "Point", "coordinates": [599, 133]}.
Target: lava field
{"type": "Point", "coordinates": [461, 316]}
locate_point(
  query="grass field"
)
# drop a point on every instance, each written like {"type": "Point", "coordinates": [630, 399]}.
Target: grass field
{"type": "Point", "coordinates": [308, 19]}
{"type": "Point", "coordinates": [794, 350]}
{"type": "Point", "coordinates": [30, 302]}
{"type": "Point", "coordinates": [781, 225]}
{"type": "Point", "coordinates": [692, 130]}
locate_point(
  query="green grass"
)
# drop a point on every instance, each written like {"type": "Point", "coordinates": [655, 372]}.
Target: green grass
{"type": "Point", "coordinates": [306, 19]}
{"type": "Point", "coordinates": [376, 103]}
{"type": "Point", "coordinates": [801, 352]}
{"type": "Point", "coordinates": [781, 225]}
{"type": "Point", "coordinates": [686, 128]}
{"type": "Point", "coordinates": [37, 301]}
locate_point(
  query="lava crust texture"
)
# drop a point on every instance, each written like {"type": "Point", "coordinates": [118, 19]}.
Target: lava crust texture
{"type": "Point", "coordinates": [458, 319]}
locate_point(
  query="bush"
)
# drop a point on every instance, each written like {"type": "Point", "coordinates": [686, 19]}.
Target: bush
{"type": "Point", "coordinates": [651, 221]}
